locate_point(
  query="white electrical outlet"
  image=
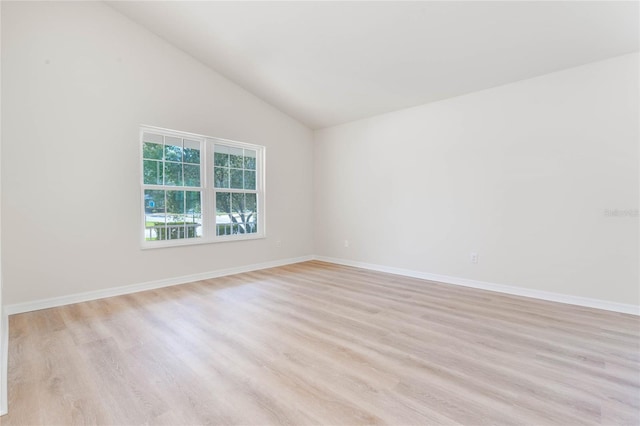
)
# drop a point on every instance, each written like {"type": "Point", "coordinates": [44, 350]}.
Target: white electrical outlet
{"type": "Point", "coordinates": [473, 257]}
{"type": "Point", "coordinates": [278, 243]}
{"type": "Point", "coordinates": [346, 243]}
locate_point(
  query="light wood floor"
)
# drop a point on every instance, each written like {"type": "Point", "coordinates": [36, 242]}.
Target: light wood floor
{"type": "Point", "coordinates": [316, 343]}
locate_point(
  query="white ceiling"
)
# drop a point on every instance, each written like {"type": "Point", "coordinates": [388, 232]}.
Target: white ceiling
{"type": "Point", "coordinates": [326, 63]}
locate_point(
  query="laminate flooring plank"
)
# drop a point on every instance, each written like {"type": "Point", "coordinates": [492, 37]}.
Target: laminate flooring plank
{"type": "Point", "coordinates": [319, 343]}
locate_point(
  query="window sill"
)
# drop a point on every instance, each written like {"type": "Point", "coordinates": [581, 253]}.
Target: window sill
{"type": "Point", "coordinates": [149, 245]}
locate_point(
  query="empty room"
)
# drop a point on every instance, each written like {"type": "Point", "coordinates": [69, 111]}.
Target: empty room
{"type": "Point", "coordinates": [327, 213]}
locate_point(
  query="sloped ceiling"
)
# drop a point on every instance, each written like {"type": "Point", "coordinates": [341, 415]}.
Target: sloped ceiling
{"type": "Point", "coordinates": [326, 63]}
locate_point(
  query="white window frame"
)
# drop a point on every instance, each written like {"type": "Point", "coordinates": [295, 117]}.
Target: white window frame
{"type": "Point", "coordinates": [206, 188]}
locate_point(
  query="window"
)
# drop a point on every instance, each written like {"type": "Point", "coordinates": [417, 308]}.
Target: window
{"type": "Point", "coordinates": [235, 188]}
{"type": "Point", "coordinates": [199, 189]}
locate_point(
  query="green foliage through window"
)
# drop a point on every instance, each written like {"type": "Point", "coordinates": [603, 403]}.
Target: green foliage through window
{"type": "Point", "coordinates": [175, 162]}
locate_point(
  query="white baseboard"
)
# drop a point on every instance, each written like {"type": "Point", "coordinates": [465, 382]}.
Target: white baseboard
{"type": "Point", "coordinates": [500, 288]}
{"type": "Point", "coordinates": [53, 302]}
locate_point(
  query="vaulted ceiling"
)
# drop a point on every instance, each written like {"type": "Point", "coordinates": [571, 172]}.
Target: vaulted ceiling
{"type": "Point", "coordinates": [326, 63]}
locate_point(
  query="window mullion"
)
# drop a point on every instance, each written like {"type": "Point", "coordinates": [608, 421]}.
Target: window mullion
{"type": "Point", "coordinates": [208, 201]}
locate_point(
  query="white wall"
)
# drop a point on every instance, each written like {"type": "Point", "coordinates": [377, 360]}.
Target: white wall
{"type": "Point", "coordinates": [521, 173]}
{"type": "Point", "coordinates": [4, 321]}
{"type": "Point", "coordinates": [77, 80]}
